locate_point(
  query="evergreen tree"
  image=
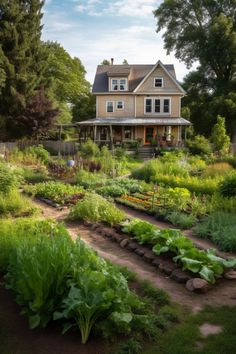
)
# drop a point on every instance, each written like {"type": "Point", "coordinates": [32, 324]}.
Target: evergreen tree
{"type": "Point", "coordinates": [22, 55]}
{"type": "Point", "coordinates": [220, 139]}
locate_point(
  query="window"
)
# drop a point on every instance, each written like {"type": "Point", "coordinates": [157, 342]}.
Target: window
{"type": "Point", "coordinates": [158, 82]}
{"type": "Point", "coordinates": [127, 133]}
{"type": "Point", "coordinates": [114, 85]}
{"type": "Point", "coordinates": [110, 107]}
{"type": "Point", "coordinates": [119, 84]}
{"type": "Point", "coordinates": [148, 106]}
{"type": "Point", "coordinates": [122, 84]}
{"type": "Point", "coordinates": [166, 105]}
{"type": "Point", "coordinates": [157, 105]}
{"type": "Point", "coordinates": [120, 105]}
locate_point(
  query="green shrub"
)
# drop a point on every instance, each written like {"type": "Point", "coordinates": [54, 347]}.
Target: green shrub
{"type": "Point", "coordinates": [199, 145]}
{"type": "Point", "coordinates": [8, 179]}
{"type": "Point", "coordinates": [89, 149]}
{"type": "Point", "coordinates": [38, 151]}
{"type": "Point", "coordinates": [227, 187]}
{"type": "Point", "coordinates": [182, 220]}
{"type": "Point", "coordinates": [95, 208]}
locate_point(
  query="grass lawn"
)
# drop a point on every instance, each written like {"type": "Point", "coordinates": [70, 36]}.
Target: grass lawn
{"type": "Point", "coordinates": [185, 338]}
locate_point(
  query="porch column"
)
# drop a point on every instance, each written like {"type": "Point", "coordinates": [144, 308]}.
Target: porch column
{"type": "Point", "coordinates": [94, 133]}
{"type": "Point", "coordinates": [111, 136]}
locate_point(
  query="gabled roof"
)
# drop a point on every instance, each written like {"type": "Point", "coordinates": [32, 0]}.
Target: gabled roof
{"type": "Point", "coordinates": [159, 63]}
{"type": "Point", "coordinates": [137, 73]}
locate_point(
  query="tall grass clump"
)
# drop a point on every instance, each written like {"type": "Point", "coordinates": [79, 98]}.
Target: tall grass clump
{"type": "Point", "coordinates": [220, 227]}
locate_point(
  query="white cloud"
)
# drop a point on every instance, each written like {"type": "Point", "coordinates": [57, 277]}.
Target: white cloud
{"type": "Point", "coordinates": [138, 8]}
{"type": "Point", "coordinates": [89, 7]}
{"type": "Point", "coordinates": [133, 39]}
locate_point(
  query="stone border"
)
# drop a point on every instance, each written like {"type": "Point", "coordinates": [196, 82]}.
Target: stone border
{"type": "Point", "coordinates": [162, 263]}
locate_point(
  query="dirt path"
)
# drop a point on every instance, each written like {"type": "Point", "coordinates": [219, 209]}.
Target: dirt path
{"type": "Point", "coordinates": [224, 293]}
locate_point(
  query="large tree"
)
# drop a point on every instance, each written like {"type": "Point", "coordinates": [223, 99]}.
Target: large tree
{"type": "Point", "coordinates": [203, 31]}
{"type": "Point", "coordinates": [66, 82]}
{"type": "Point", "coordinates": [22, 57]}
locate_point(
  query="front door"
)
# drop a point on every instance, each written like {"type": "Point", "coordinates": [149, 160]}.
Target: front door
{"type": "Point", "coordinates": [149, 135]}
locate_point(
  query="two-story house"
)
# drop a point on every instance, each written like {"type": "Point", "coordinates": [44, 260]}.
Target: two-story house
{"type": "Point", "coordinates": [136, 102]}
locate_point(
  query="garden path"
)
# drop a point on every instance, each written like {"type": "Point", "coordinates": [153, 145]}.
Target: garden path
{"type": "Point", "coordinates": [223, 293]}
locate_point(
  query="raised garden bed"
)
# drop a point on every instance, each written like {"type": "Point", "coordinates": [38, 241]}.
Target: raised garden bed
{"type": "Point", "coordinates": [162, 262]}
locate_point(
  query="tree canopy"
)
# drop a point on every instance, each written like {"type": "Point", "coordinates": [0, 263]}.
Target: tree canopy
{"type": "Point", "coordinates": [204, 31]}
{"type": "Point", "coordinates": [33, 71]}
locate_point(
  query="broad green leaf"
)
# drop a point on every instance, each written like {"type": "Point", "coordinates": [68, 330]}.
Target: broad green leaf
{"type": "Point", "coordinates": [207, 274]}
{"type": "Point", "coordinates": [191, 264]}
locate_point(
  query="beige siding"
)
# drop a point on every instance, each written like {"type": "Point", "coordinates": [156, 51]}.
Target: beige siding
{"type": "Point", "coordinates": [168, 84]}
{"type": "Point", "coordinates": [128, 110]}
{"type": "Point", "coordinates": [174, 112]}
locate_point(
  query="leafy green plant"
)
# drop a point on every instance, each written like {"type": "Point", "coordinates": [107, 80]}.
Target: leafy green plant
{"type": "Point", "coordinates": [14, 231]}
{"type": "Point", "coordinates": [90, 180]}
{"type": "Point", "coordinates": [111, 191]}
{"type": "Point", "coordinates": [206, 264]}
{"type": "Point", "coordinates": [56, 191]}
{"type": "Point", "coordinates": [38, 272]}
{"type": "Point", "coordinates": [95, 208]}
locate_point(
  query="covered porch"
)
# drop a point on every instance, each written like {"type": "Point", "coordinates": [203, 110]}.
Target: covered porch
{"type": "Point", "coordinates": [161, 132]}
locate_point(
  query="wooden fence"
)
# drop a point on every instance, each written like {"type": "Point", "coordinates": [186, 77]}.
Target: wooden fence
{"type": "Point", "coordinates": [64, 148]}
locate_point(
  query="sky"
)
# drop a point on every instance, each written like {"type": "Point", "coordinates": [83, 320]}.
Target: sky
{"type": "Point", "coordinates": [93, 30]}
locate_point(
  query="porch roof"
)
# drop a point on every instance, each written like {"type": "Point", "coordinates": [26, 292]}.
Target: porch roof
{"type": "Point", "coordinates": [135, 121]}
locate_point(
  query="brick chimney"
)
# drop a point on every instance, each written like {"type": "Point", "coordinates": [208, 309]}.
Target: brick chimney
{"type": "Point", "coordinates": [112, 61]}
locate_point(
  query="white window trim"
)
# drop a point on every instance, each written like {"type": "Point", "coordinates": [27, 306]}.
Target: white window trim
{"type": "Point", "coordinates": [154, 83]}
{"type": "Point", "coordinates": [118, 79]}
{"type": "Point", "coordinates": [107, 106]}
{"type": "Point", "coordinates": [161, 98]}
{"type": "Point", "coordinates": [123, 105]}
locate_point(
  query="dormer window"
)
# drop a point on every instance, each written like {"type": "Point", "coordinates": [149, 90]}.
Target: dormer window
{"type": "Point", "coordinates": [158, 82]}
{"type": "Point", "coordinates": [118, 84]}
